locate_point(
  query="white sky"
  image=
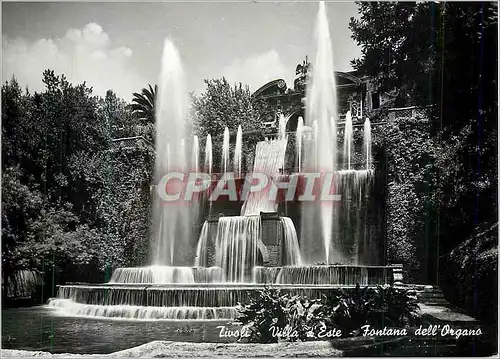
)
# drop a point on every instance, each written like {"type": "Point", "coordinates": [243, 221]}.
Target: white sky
{"type": "Point", "coordinates": [119, 45]}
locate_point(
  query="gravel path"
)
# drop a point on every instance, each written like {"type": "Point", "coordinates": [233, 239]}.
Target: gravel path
{"type": "Point", "coordinates": [167, 349]}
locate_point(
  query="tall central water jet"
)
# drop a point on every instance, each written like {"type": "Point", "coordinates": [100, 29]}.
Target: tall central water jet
{"type": "Point", "coordinates": [171, 231]}
{"type": "Point", "coordinates": [321, 106]}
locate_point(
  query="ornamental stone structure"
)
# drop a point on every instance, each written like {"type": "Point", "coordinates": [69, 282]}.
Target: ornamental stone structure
{"type": "Point", "coordinates": [355, 93]}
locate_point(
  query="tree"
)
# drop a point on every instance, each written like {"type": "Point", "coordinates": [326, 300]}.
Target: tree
{"type": "Point", "coordinates": [397, 48]}
{"type": "Point", "coordinates": [69, 196]}
{"type": "Point", "coordinates": [431, 53]}
{"type": "Point", "coordinates": [143, 104]}
{"type": "Point", "coordinates": [442, 54]}
{"type": "Point", "coordinates": [223, 105]}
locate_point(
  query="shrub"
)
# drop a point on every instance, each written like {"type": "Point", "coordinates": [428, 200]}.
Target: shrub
{"type": "Point", "coordinates": [266, 309]}
{"type": "Point", "coordinates": [346, 310]}
{"type": "Point", "coordinates": [471, 279]}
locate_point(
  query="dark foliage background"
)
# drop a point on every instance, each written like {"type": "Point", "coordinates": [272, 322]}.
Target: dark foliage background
{"type": "Point", "coordinates": [441, 54]}
{"type": "Point", "coordinates": [68, 196]}
{"type": "Point", "coordinates": [442, 175]}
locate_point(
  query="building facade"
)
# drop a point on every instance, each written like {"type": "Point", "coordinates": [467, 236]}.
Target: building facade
{"type": "Point", "coordinates": [355, 93]}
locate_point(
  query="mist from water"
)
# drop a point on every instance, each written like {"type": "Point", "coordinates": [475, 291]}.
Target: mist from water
{"type": "Point", "coordinates": [298, 142]}
{"type": "Point", "coordinates": [237, 152]}
{"type": "Point", "coordinates": [321, 107]}
{"type": "Point", "coordinates": [225, 151]}
{"type": "Point", "coordinates": [195, 155]}
{"type": "Point", "coordinates": [367, 143]}
{"type": "Point", "coordinates": [348, 139]}
{"type": "Point", "coordinates": [171, 227]}
{"type": "Point", "coordinates": [208, 155]}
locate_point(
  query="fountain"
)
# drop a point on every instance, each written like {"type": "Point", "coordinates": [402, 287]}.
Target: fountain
{"type": "Point", "coordinates": [195, 161]}
{"type": "Point", "coordinates": [236, 255]}
{"type": "Point", "coordinates": [170, 234]}
{"type": "Point", "coordinates": [321, 106]}
{"type": "Point", "coordinates": [298, 139]}
{"type": "Point", "coordinates": [348, 139]}
{"type": "Point", "coordinates": [225, 151]}
{"type": "Point", "coordinates": [237, 152]}
{"type": "Point", "coordinates": [367, 143]}
{"type": "Point", "coordinates": [208, 155]}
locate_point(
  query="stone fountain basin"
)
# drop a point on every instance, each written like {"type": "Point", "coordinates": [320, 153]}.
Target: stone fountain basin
{"type": "Point", "coordinates": [182, 295]}
{"type": "Point", "coordinates": [297, 274]}
{"type": "Point", "coordinates": [205, 300]}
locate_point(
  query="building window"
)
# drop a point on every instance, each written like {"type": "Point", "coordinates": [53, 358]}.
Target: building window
{"type": "Point", "coordinates": [375, 100]}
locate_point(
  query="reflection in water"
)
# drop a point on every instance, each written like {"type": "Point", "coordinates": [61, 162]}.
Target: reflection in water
{"type": "Point", "coordinates": [39, 328]}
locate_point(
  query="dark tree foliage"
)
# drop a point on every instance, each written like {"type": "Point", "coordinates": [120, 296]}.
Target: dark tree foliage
{"type": "Point", "coordinates": [69, 196]}
{"type": "Point", "coordinates": [223, 105]}
{"type": "Point", "coordinates": [471, 274]}
{"type": "Point", "coordinates": [443, 55]}
{"type": "Point", "coordinates": [143, 104]}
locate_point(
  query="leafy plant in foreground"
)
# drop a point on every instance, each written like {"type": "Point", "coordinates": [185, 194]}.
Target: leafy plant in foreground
{"type": "Point", "coordinates": [265, 310]}
{"type": "Point", "coordinates": [344, 309]}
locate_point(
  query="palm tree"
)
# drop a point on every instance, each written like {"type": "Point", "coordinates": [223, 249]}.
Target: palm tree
{"type": "Point", "coordinates": [143, 104]}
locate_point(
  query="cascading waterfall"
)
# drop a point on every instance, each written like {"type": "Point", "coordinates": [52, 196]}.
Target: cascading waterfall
{"type": "Point", "coordinates": [237, 246]}
{"type": "Point", "coordinates": [139, 312]}
{"type": "Point", "coordinates": [174, 297]}
{"type": "Point", "coordinates": [23, 284]}
{"type": "Point", "coordinates": [367, 143]}
{"type": "Point", "coordinates": [209, 275]}
{"type": "Point", "coordinates": [282, 122]}
{"type": "Point", "coordinates": [323, 275]}
{"type": "Point", "coordinates": [202, 248]}
{"type": "Point", "coordinates": [171, 232]}
{"type": "Point", "coordinates": [298, 138]}
{"type": "Point", "coordinates": [153, 274]}
{"type": "Point", "coordinates": [348, 139]}
{"type": "Point", "coordinates": [291, 243]}
{"type": "Point", "coordinates": [237, 152]}
{"type": "Point", "coordinates": [208, 155]}
{"type": "Point", "coordinates": [225, 151]}
{"type": "Point", "coordinates": [269, 157]}
{"type": "Point", "coordinates": [355, 185]}
{"type": "Point", "coordinates": [168, 275]}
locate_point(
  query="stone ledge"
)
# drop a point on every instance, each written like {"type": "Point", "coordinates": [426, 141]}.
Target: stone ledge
{"type": "Point", "coordinates": [168, 349]}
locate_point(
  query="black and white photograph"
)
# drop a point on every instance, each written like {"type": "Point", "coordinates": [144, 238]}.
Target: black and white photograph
{"type": "Point", "coordinates": [249, 179]}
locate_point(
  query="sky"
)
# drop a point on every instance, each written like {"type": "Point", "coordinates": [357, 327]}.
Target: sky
{"type": "Point", "coordinates": [118, 46]}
